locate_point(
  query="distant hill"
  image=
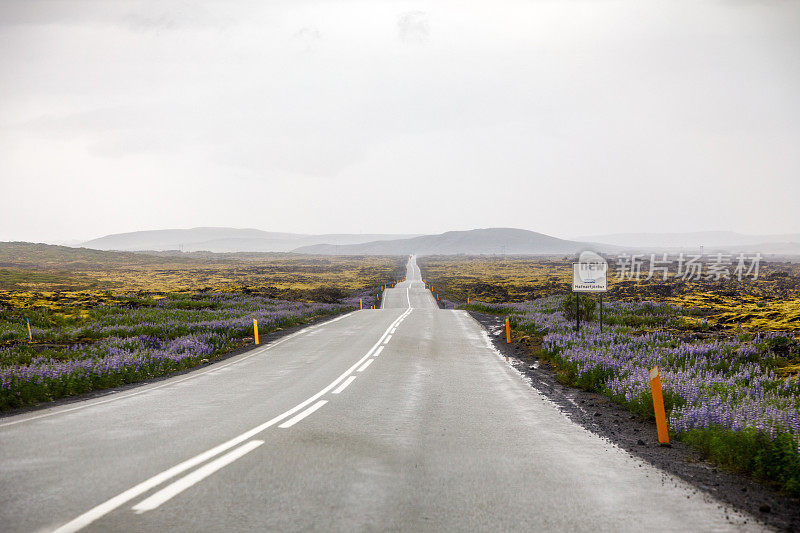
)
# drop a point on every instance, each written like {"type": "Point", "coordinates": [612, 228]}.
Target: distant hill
{"type": "Point", "coordinates": [708, 239]}
{"type": "Point", "coordinates": [225, 240]}
{"type": "Point", "coordinates": [30, 255]}
{"type": "Point", "coordinates": [473, 242]}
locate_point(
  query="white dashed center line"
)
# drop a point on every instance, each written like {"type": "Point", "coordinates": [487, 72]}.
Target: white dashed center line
{"type": "Point", "coordinates": [344, 385]}
{"type": "Point", "coordinates": [172, 490]}
{"type": "Point", "coordinates": [297, 418]}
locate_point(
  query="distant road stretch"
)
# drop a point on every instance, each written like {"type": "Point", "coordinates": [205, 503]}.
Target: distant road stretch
{"type": "Point", "coordinates": [400, 418]}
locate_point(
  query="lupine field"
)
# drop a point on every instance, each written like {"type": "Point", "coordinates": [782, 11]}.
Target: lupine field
{"type": "Point", "coordinates": [104, 330]}
{"type": "Point", "coordinates": [119, 345]}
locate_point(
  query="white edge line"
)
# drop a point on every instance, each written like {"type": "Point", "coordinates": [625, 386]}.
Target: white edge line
{"type": "Point", "coordinates": [365, 365]}
{"type": "Point", "coordinates": [297, 418]}
{"type": "Point", "coordinates": [378, 352]}
{"type": "Point", "coordinates": [344, 385]}
{"type": "Point", "coordinates": [172, 490]}
{"type": "Point", "coordinates": [212, 368]}
{"type": "Point", "coordinates": [106, 507]}
{"type": "Point", "coordinates": [388, 339]}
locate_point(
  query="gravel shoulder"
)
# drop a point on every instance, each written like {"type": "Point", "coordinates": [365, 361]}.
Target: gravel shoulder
{"type": "Point", "coordinates": [601, 416]}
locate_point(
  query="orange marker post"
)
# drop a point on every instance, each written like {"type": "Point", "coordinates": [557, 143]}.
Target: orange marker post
{"type": "Point", "coordinates": [508, 331]}
{"type": "Point", "coordinates": [658, 407]}
{"type": "Point", "coordinates": [360, 303]}
{"type": "Point", "coordinates": [255, 330]}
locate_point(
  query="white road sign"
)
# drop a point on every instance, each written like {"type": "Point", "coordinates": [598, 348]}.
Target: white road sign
{"type": "Point", "coordinates": [589, 277]}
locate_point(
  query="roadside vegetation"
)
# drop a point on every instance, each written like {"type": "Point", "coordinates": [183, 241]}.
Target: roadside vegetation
{"type": "Point", "coordinates": [104, 319]}
{"type": "Point", "coordinates": [731, 388]}
{"type": "Point", "coordinates": [772, 302]}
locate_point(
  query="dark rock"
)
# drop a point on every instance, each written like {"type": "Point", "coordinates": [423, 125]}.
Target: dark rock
{"type": "Point", "coordinates": [640, 442]}
{"type": "Point", "coordinates": [764, 508]}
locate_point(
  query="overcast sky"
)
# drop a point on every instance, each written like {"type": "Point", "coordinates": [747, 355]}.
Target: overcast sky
{"type": "Point", "coordinates": [568, 118]}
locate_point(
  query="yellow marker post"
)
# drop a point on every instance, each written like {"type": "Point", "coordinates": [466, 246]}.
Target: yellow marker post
{"type": "Point", "coordinates": [30, 335]}
{"type": "Point", "coordinates": [508, 331]}
{"type": "Point", "coordinates": [255, 330]}
{"type": "Point", "coordinates": [360, 303]}
{"type": "Point", "coordinates": [467, 300]}
{"type": "Point", "coordinates": [658, 407]}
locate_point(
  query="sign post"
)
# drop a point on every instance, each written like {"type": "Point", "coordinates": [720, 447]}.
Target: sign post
{"type": "Point", "coordinates": [589, 274]}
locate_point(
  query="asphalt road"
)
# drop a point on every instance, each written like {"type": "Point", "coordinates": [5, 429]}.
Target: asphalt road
{"type": "Point", "coordinates": [401, 418]}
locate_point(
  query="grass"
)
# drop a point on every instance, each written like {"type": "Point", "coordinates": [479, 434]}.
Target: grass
{"type": "Point", "coordinates": [771, 461]}
{"type": "Point", "coordinates": [69, 279]}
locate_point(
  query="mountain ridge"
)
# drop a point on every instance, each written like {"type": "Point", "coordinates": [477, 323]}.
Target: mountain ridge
{"type": "Point", "coordinates": [477, 241]}
{"type": "Point", "coordinates": [225, 240]}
